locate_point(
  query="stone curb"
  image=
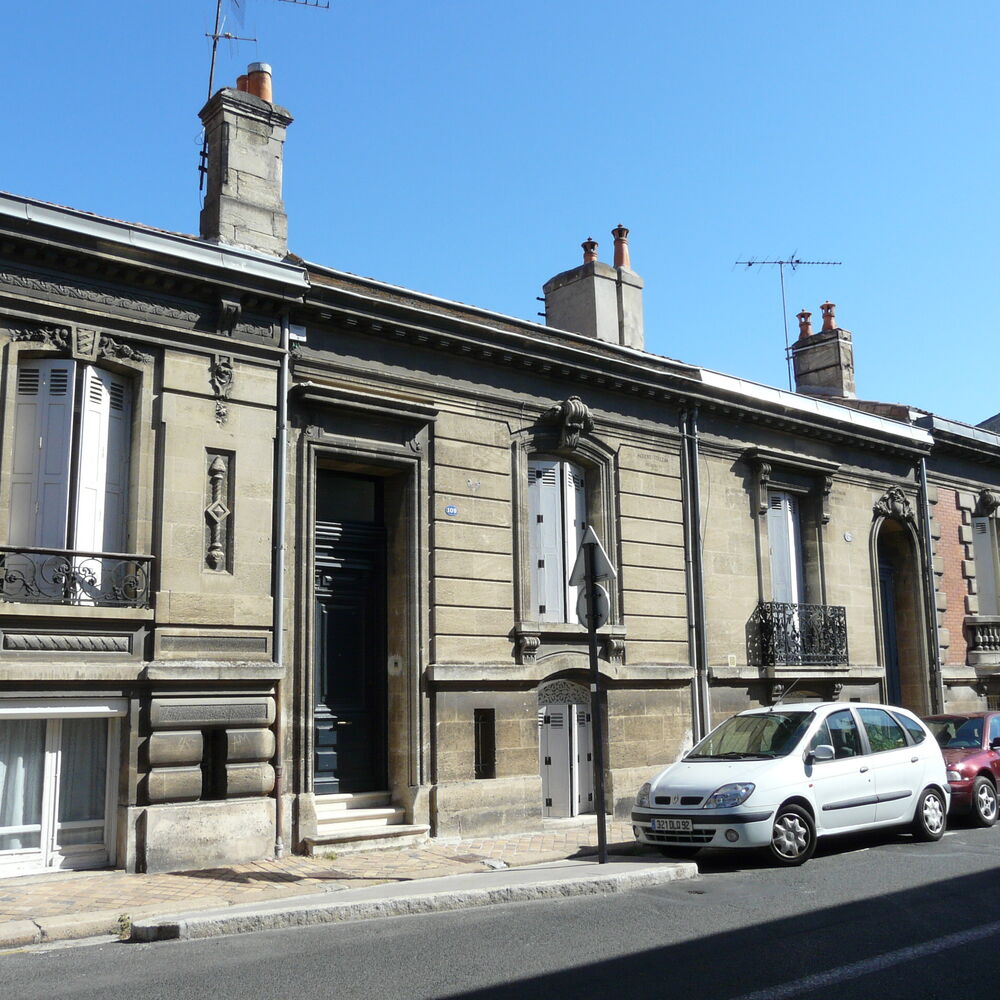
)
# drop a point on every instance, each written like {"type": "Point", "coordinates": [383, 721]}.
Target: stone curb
{"type": "Point", "coordinates": [218, 925]}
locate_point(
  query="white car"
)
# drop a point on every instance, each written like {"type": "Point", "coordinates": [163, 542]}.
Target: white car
{"type": "Point", "coordinates": [779, 778]}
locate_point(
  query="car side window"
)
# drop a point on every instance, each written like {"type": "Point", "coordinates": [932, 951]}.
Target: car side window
{"type": "Point", "coordinates": [994, 728]}
{"type": "Point", "coordinates": [820, 737]}
{"type": "Point", "coordinates": [916, 731]}
{"type": "Point", "coordinates": [884, 732]}
{"type": "Point", "coordinates": [844, 736]}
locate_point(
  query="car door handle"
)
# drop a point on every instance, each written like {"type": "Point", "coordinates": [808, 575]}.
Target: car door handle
{"type": "Point", "coordinates": [913, 760]}
{"type": "Point", "coordinates": [341, 722]}
{"type": "Point", "coordinates": [863, 770]}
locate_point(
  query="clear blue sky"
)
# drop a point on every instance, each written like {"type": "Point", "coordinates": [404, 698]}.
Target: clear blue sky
{"type": "Point", "coordinates": [466, 148]}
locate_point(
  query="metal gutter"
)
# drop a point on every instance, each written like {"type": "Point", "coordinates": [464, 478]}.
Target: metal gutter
{"type": "Point", "coordinates": [930, 599]}
{"type": "Point", "coordinates": [278, 548]}
{"type": "Point", "coordinates": [234, 260]}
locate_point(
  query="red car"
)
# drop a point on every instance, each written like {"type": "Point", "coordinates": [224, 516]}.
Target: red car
{"type": "Point", "coordinates": [970, 742]}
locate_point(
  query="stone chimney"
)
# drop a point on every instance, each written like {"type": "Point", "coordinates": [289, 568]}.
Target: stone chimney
{"type": "Point", "coordinates": [824, 361]}
{"type": "Point", "coordinates": [597, 300]}
{"type": "Point", "coordinates": [245, 136]}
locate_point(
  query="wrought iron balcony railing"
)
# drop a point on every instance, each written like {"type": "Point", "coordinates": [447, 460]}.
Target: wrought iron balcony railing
{"type": "Point", "coordinates": [68, 576]}
{"type": "Point", "coordinates": [799, 634]}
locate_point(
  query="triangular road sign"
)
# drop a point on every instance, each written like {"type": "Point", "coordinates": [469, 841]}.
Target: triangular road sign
{"type": "Point", "coordinates": [603, 570]}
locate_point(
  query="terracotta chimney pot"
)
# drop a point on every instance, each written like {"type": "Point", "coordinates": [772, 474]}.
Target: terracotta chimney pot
{"type": "Point", "coordinates": [589, 250]}
{"type": "Point", "coordinates": [259, 83]}
{"type": "Point", "coordinates": [805, 324]}
{"type": "Point", "coordinates": [621, 247]}
{"type": "Point", "coordinates": [829, 319]}
{"type": "Point", "coordinates": [242, 82]}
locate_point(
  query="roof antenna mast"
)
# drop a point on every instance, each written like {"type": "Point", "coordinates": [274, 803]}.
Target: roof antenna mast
{"type": "Point", "coordinates": [793, 262]}
{"type": "Point", "coordinates": [238, 7]}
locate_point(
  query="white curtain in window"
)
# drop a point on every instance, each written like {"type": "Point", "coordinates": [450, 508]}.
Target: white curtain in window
{"type": "Point", "coordinates": [22, 761]}
{"type": "Point", "coordinates": [82, 770]}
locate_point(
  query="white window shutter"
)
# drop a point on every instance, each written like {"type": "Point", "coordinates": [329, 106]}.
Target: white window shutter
{"type": "Point", "coordinates": [786, 547]}
{"type": "Point", "coordinates": [984, 551]}
{"type": "Point", "coordinates": [575, 522]}
{"type": "Point", "coordinates": [548, 573]}
{"type": "Point", "coordinates": [102, 483]}
{"type": "Point", "coordinates": [43, 439]}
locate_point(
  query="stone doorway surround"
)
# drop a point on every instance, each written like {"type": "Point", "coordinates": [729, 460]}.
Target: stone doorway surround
{"type": "Point", "coordinates": [360, 433]}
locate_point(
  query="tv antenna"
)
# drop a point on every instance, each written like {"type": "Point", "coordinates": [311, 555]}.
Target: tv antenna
{"type": "Point", "coordinates": [238, 10]}
{"type": "Point", "coordinates": [794, 263]}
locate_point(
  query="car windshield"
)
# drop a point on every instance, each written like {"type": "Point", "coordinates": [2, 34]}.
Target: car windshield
{"type": "Point", "coordinates": [753, 737]}
{"type": "Point", "coordinates": [957, 732]}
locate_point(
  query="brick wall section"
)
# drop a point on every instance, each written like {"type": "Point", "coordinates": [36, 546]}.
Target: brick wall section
{"type": "Point", "coordinates": [954, 556]}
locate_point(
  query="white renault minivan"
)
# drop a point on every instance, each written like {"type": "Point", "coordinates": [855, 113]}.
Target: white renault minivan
{"type": "Point", "coordinates": [778, 778]}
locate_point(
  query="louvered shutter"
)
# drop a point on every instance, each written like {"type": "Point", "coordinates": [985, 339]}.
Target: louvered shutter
{"type": "Point", "coordinates": [548, 575]}
{"type": "Point", "coordinates": [575, 521]}
{"type": "Point", "coordinates": [43, 438]}
{"type": "Point", "coordinates": [786, 548]}
{"type": "Point", "coordinates": [554, 748]}
{"type": "Point", "coordinates": [102, 483]}
{"type": "Point", "coordinates": [984, 550]}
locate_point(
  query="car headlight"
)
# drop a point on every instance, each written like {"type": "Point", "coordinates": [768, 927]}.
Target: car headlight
{"type": "Point", "coordinates": [953, 775]}
{"type": "Point", "coordinates": [642, 799]}
{"type": "Point", "coordinates": [729, 795]}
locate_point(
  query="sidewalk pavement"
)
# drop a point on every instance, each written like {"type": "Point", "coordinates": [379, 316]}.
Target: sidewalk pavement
{"type": "Point", "coordinates": [296, 890]}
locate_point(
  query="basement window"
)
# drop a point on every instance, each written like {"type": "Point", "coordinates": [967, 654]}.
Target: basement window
{"type": "Point", "coordinates": [485, 721]}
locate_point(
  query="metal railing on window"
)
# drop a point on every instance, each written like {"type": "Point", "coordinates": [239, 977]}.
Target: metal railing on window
{"type": "Point", "coordinates": [32, 575]}
{"type": "Point", "coordinates": [798, 634]}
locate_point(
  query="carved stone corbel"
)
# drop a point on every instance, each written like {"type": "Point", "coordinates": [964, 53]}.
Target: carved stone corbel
{"type": "Point", "coordinates": [987, 504]}
{"type": "Point", "coordinates": [825, 488]}
{"type": "Point", "coordinates": [614, 650]}
{"type": "Point", "coordinates": [527, 646]}
{"type": "Point", "coordinates": [573, 417]}
{"type": "Point", "coordinates": [836, 691]}
{"type": "Point", "coordinates": [894, 504]}
{"type": "Point", "coordinates": [220, 374]}
{"type": "Point", "coordinates": [777, 691]}
{"type": "Point", "coordinates": [230, 310]}
{"type": "Point", "coordinates": [762, 478]}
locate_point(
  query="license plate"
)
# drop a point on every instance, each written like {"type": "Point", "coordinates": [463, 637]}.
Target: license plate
{"type": "Point", "coordinates": [667, 824]}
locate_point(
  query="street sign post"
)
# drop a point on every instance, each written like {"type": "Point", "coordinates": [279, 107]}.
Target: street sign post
{"type": "Point", "coordinates": [592, 564]}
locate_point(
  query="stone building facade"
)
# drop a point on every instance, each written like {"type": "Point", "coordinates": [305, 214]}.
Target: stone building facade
{"type": "Point", "coordinates": [286, 552]}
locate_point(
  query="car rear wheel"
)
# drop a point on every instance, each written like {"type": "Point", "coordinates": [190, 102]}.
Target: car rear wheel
{"type": "Point", "coordinates": [984, 802]}
{"type": "Point", "coordinates": [929, 818]}
{"type": "Point", "coordinates": [793, 836]}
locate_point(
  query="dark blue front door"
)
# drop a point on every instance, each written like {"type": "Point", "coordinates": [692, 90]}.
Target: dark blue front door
{"type": "Point", "coordinates": [350, 705]}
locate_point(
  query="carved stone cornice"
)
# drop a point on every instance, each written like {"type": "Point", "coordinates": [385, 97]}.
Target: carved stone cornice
{"type": "Point", "coordinates": [764, 461]}
{"type": "Point", "coordinates": [895, 505]}
{"type": "Point", "coordinates": [81, 343]}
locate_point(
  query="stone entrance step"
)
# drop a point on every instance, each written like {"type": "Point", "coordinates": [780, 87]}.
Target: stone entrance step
{"type": "Point", "coordinates": [361, 822]}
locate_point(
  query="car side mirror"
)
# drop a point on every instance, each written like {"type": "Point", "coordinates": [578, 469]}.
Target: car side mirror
{"type": "Point", "coordinates": [995, 743]}
{"type": "Point", "coordinates": [821, 753]}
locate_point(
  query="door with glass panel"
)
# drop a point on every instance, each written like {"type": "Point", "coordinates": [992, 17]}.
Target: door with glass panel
{"type": "Point", "coordinates": [55, 784]}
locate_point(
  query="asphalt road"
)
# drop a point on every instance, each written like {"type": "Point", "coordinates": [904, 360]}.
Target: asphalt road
{"type": "Point", "coordinates": [879, 916]}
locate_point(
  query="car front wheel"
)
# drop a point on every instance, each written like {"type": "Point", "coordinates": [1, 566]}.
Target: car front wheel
{"type": "Point", "coordinates": [984, 802]}
{"type": "Point", "coordinates": [793, 836]}
{"type": "Point", "coordinates": [929, 818]}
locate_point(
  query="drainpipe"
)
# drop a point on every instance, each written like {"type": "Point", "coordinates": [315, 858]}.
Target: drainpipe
{"type": "Point", "coordinates": [937, 678]}
{"type": "Point", "coordinates": [694, 574]}
{"type": "Point", "coordinates": [278, 548]}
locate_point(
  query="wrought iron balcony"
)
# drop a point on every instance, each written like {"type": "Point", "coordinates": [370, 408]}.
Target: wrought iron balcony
{"type": "Point", "coordinates": [809, 635]}
{"type": "Point", "coordinates": [68, 576]}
